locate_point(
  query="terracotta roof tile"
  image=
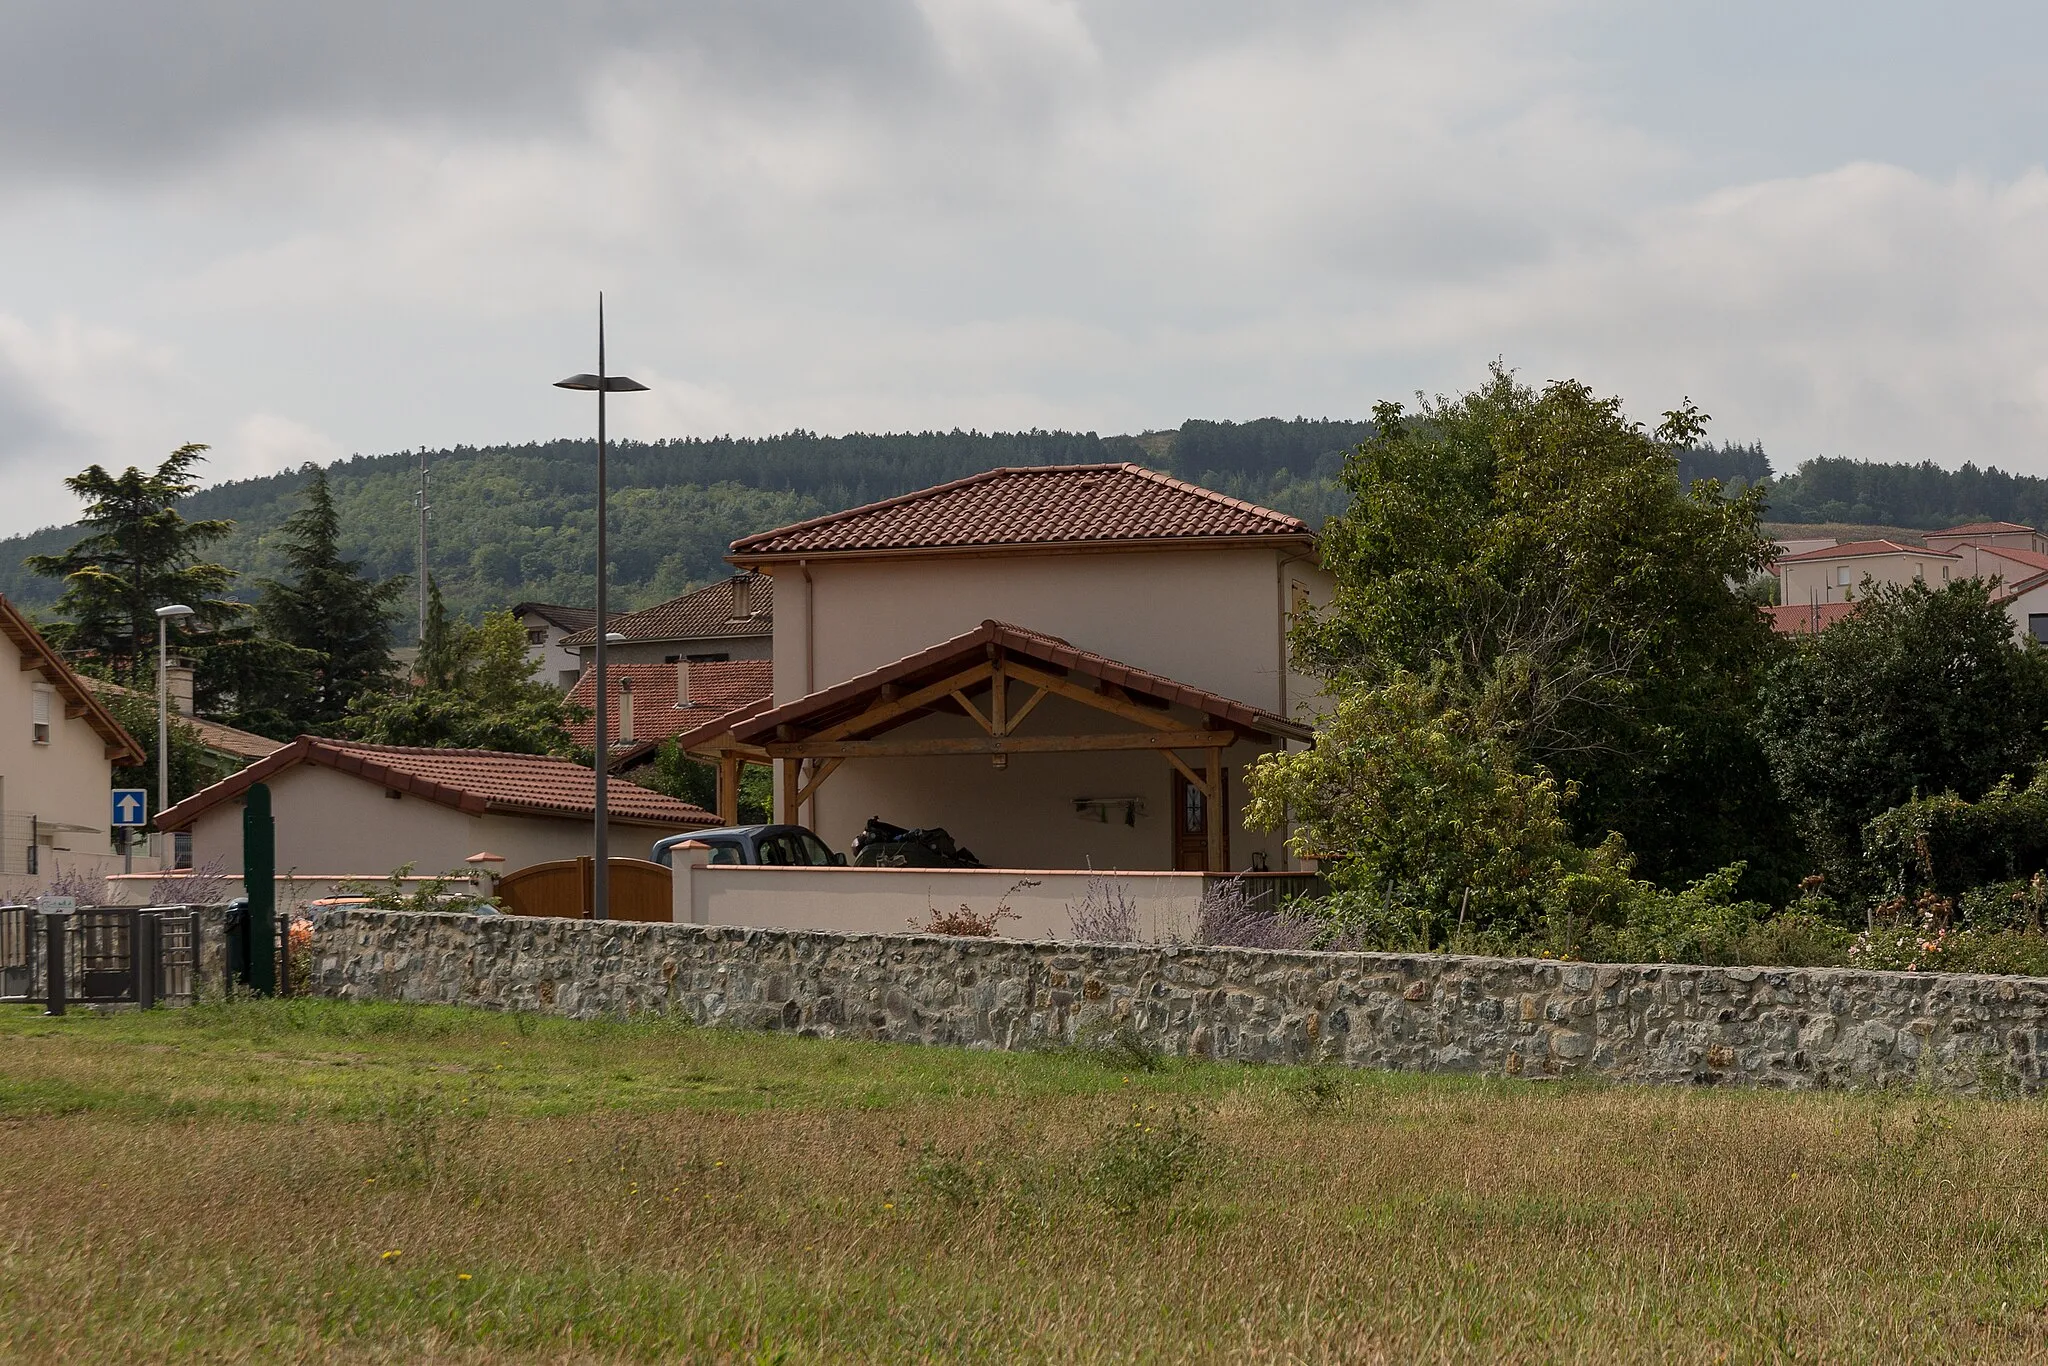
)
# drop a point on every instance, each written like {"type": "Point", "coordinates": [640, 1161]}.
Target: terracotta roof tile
{"type": "Point", "coordinates": [221, 739]}
{"type": "Point", "coordinates": [1982, 529]}
{"type": "Point", "coordinates": [555, 614]}
{"type": "Point", "coordinates": [707, 613]}
{"type": "Point", "coordinates": [715, 690]}
{"type": "Point", "coordinates": [1050, 505]}
{"type": "Point", "coordinates": [1799, 621]}
{"type": "Point", "coordinates": [1851, 549]}
{"type": "Point", "coordinates": [2032, 559]}
{"type": "Point", "coordinates": [472, 780]}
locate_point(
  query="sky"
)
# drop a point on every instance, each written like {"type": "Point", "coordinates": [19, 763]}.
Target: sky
{"type": "Point", "coordinates": [298, 231]}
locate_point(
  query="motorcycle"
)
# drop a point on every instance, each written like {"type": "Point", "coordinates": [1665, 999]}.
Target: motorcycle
{"type": "Point", "coordinates": [882, 845]}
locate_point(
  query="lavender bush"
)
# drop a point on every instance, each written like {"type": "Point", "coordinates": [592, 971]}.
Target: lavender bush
{"type": "Point", "coordinates": [205, 885]}
{"type": "Point", "coordinates": [1229, 917]}
{"type": "Point", "coordinates": [1105, 914]}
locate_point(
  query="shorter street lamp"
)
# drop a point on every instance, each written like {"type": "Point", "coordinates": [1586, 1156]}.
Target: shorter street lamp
{"type": "Point", "coordinates": [163, 702]}
{"type": "Point", "coordinates": [601, 384]}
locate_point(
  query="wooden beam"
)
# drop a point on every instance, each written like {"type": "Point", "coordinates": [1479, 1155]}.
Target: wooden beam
{"type": "Point", "coordinates": [1185, 771]}
{"type": "Point", "coordinates": [883, 712]}
{"type": "Point", "coordinates": [74, 710]}
{"type": "Point", "coordinates": [1007, 744]}
{"type": "Point", "coordinates": [792, 775]}
{"type": "Point", "coordinates": [818, 777]}
{"type": "Point", "coordinates": [1212, 793]}
{"type": "Point", "coordinates": [1088, 697]}
{"type": "Point", "coordinates": [974, 712]}
{"type": "Point", "coordinates": [729, 789]}
{"type": "Point", "coordinates": [998, 699]}
{"type": "Point", "coordinates": [1017, 717]}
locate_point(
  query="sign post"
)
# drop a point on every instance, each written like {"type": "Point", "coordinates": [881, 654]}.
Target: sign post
{"type": "Point", "coordinates": [131, 811]}
{"type": "Point", "coordinates": [259, 888]}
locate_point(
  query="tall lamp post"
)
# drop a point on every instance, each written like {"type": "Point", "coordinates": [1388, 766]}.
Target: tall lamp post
{"type": "Point", "coordinates": [163, 702]}
{"type": "Point", "coordinates": [601, 384]}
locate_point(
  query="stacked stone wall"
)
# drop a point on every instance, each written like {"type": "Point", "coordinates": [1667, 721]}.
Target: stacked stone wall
{"type": "Point", "coordinates": [1796, 1028]}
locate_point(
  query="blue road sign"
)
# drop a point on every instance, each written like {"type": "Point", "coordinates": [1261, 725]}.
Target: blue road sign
{"type": "Point", "coordinates": [131, 807]}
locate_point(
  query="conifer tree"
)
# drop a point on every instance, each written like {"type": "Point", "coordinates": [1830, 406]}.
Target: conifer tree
{"type": "Point", "coordinates": [329, 609]}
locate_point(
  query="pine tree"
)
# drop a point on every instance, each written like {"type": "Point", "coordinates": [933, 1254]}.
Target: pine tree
{"type": "Point", "coordinates": [141, 555]}
{"type": "Point", "coordinates": [330, 610]}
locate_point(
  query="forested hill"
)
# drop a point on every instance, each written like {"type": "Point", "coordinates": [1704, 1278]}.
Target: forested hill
{"type": "Point", "coordinates": [516, 522]}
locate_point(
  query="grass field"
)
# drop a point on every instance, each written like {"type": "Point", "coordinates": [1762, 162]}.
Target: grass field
{"type": "Point", "coordinates": [301, 1180]}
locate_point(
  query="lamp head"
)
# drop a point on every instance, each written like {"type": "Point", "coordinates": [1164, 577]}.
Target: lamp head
{"type": "Point", "coordinates": [611, 384]}
{"type": "Point", "coordinates": [176, 609]}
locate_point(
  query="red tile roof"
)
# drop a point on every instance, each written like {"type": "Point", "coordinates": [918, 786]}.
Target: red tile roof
{"type": "Point", "coordinates": [715, 690]}
{"type": "Point", "coordinates": [2033, 559]}
{"type": "Point", "coordinates": [1046, 506]}
{"type": "Point", "coordinates": [39, 656]}
{"type": "Point", "coordinates": [473, 780]}
{"type": "Point", "coordinates": [1982, 529]}
{"type": "Point", "coordinates": [1800, 621]}
{"type": "Point", "coordinates": [555, 614]}
{"type": "Point", "coordinates": [1854, 548]}
{"type": "Point", "coordinates": [845, 700]}
{"type": "Point", "coordinates": [707, 613]}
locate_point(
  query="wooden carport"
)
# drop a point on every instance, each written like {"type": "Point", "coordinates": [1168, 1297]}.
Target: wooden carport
{"type": "Point", "coordinates": [996, 676]}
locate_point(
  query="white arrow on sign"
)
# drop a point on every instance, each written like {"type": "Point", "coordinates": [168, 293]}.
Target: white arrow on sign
{"type": "Point", "coordinates": [128, 808]}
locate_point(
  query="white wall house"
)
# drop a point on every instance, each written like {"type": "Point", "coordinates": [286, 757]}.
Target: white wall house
{"type": "Point", "coordinates": [58, 749]}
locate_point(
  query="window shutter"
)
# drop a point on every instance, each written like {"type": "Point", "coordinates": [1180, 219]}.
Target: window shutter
{"type": "Point", "coordinates": [40, 715]}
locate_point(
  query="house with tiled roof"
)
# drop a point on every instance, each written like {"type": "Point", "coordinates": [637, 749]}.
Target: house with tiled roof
{"type": "Point", "coordinates": [650, 703]}
{"type": "Point", "coordinates": [547, 626]}
{"type": "Point", "coordinates": [1066, 667]}
{"type": "Point", "coordinates": [344, 809]}
{"type": "Point", "coordinates": [1818, 587]}
{"type": "Point", "coordinates": [59, 746]}
{"type": "Point", "coordinates": [727, 621]}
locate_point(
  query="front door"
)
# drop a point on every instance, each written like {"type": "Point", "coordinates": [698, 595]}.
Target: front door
{"type": "Point", "coordinates": [1191, 826]}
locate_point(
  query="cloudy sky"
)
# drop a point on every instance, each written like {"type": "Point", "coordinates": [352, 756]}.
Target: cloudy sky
{"type": "Point", "coordinates": [299, 230]}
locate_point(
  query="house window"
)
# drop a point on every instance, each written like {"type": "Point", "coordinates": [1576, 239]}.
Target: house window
{"type": "Point", "coordinates": [537, 636]}
{"type": "Point", "coordinates": [1842, 576]}
{"type": "Point", "coordinates": [39, 715]}
{"type": "Point", "coordinates": [2037, 625]}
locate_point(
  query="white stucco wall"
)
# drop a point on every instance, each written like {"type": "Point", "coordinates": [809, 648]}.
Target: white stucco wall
{"type": "Point", "coordinates": [331, 824]}
{"type": "Point", "coordinates": [1212, 618]}
{"type": "Point", "coordinates": [65, 783]}
{"type": "Point", "coordinates": [1819, 580]}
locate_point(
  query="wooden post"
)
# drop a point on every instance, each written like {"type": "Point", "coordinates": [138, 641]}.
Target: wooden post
{"type": "Point", "coordinates": [729, 789]}
{"type": "Point", "coordinates": [792, 784]}
{"type": "Point", "coordinates": [1212, 796]}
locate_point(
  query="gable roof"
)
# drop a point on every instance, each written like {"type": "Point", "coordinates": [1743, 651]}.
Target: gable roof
{"type": "Point", "coordinates": [476, 781]}
{"type": "Point", "coordinates": [221, 739]}
{"type": "Point", "coordinates": [845, 700]}
{"type": "Point", "coordinates": [705, 613]}
{"type": "Point", "coordinates": [715, 690]}
{"type": "Point", "coordinates": [1852, 549]}
{"type": "Point", "coordinates": [555, 614]}
{"type": "Point", "coordinates": [39, 656]}
{"type": "Point", "coordinates": [2032, 559]}
{"type": "Point", "coordinates": [1045, 506]}
{"type": "Point", "coordinates": [1983, 529]}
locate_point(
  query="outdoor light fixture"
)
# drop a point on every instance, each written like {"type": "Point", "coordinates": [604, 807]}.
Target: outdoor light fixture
{"type": "Point", "coordinates": [163, 702]}
{"type": "Point", "coordinates": [601, 384]}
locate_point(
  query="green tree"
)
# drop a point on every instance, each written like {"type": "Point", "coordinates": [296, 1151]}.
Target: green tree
{"type": "Point", "coordinates": [675, 774]}
{"type": "Point", "coordinates": [329, 610]}
{"type": "Point", "coordinates": [474, 689]}
{"type": "Point", "coordinates": [1533, 555]}
{"type": "Point", "coordinates": [193, 765]}
{"type": "Point", "coordinates": [139, 554]}
{"type": "Point", "coordinates": [1918, 691]}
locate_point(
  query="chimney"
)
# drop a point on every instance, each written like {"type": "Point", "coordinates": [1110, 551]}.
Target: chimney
{"type": "Point", "coordinates": [178, 676]}
{"type": "Point", "coordinates": [625, 710]}
{"type": "Point", "coordinates": [743, 596]}
{"type": "Point", "coordinates": [682, 682]}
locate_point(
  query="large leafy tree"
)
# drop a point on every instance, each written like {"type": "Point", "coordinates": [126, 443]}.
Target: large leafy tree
{"type": "Point", "coordinates": [1532, 554]}
{"type": "Point", "coordinates": [473, 689]}
{"type": "Point", "coordinates": [139, 554]}
{"type": "Point", "coordinates": [1918, 691]}
{"type": "Point", "coordinates": [330, 610]}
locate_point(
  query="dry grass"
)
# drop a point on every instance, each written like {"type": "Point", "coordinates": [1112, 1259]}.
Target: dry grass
{"type": "Point", "coordinates": [356, 1183]}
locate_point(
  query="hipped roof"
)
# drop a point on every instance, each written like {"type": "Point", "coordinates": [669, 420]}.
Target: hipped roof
{"type": "Point", "coordinates": [476, 781]}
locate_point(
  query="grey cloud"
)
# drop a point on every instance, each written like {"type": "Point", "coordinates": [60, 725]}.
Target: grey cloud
{"type": "Point", "coordinates": [134, 85]}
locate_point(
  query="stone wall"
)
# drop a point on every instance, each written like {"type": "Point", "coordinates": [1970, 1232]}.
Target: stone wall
{"type": "Point", "coordinates": [1498, 1017]}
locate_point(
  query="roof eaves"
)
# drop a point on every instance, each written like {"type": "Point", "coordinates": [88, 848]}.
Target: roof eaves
{"type": "Point", "coordinates": [17, 628]}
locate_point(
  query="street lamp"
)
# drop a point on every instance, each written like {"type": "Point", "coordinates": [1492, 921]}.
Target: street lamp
{"type": "Point", "coordinates": [601, 384]}
{"type": "Point", "coordinates": [163, 701]}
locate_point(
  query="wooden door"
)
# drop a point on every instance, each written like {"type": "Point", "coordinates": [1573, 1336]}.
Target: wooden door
{"type": "Point", "coordinates": [640, 890]}
{"type": "Point", "coordinates": [1191, 825]}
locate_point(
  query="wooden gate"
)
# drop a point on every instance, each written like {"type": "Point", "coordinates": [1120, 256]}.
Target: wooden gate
{"type": "Point", "coordinates": [640, 889]}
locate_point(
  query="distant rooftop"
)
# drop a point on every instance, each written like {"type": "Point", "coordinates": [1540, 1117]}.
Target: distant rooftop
{"type": "Point", "coordinates": [713, 612]}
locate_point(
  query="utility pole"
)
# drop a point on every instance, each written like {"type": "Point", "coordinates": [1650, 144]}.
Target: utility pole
{"type": "Point", "coordinates": [424, 509]}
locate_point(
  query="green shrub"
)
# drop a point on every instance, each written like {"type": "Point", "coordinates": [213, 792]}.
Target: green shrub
{"type": "Point", "coordinates": [1143, 1158]}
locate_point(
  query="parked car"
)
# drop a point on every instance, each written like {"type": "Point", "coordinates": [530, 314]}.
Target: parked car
{"type": "Point", "coordinates": [778, 845]}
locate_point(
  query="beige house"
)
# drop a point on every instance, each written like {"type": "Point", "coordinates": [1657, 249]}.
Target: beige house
{"type": "Point", "coordinates": [548, 625]}
{"type": "Point", "coordinates": [731, 620]}
{"type": "Point", "coordinates": [58, 749]}
{"type": "Point", "coordinates": [1066, 667]}
{"type": "Point", "coordinates": [348, 810]}
{"type": "Point", "coordinates": [1818, 587]}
